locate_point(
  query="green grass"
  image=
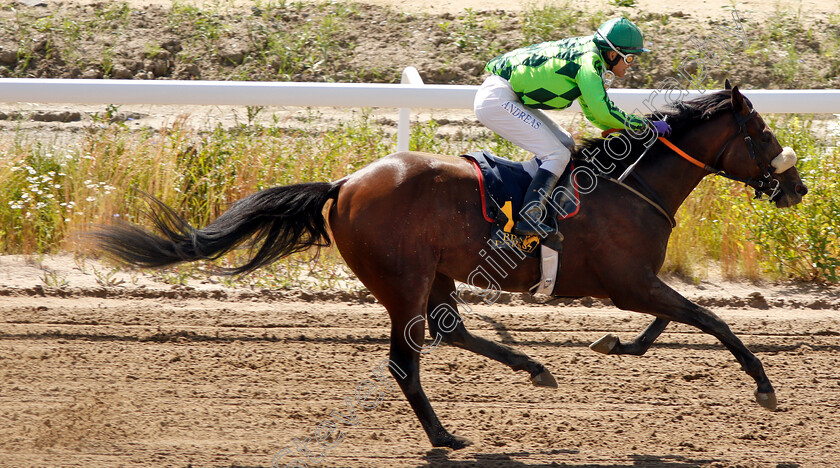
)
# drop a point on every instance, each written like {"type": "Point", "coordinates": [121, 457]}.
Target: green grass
{"type": "Point", "coordinates": [550, 21]}
{"type": "Point", "coordinates": [296, 46]}
{"type": "Point", "coordinates": [57, 36]}
{"type": "Point", "coordinates": [53, 191]}
{"type": "Point", "coordinates": [722, 226]}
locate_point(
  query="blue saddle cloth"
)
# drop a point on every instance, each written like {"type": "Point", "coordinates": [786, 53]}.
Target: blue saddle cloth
{"type": "Point", "coordinates": [503, 184]}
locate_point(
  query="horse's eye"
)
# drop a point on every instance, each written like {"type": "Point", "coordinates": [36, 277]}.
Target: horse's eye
{"type": "Point", "coordinates": [766, 137]}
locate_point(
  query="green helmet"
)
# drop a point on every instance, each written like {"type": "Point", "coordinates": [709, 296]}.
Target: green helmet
{"type": "Point", "coordinates": [623, 34]}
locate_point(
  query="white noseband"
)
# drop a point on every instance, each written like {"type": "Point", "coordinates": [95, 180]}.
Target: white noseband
{"type": "Point", "coordinates": [785, 160]}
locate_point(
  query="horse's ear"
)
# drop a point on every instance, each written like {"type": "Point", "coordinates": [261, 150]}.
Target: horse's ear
{"type": "Point", "coordinates": [727, 84]}
{"type": "Point", "coordinates": [739, 103]}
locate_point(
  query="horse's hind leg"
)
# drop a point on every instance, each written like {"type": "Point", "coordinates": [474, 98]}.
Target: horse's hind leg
{"type": "Point", "coordinates": [404, 292]}
{"type": "Point", "coordinates": [445, 323]}
{"type": "Point", "coordinates": [610, 344]}
{"type": "Point", "coordinates": [663, 302]}
{"type": "Point", "coordinates": [407, 358]}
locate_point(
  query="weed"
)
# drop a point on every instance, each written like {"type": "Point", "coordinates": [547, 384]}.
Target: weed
{"type": "Point", "coordinates": [551, 21]}
{"type": "Point", "coordinates": [81, 262]}
{"type": "Point", "coordinates": [151, 50]}
{"type": "Point", "coordinates": [469, 33]}
{"type": "Point", "coordinates": [301, 46]}
{"type": "Point", "coordinates": [50, 191]}
{"type": "Point", "coordinates": [789, 66]}
{"type": "Point", "coordinates": [54, 279]}
{"type": "Point", "coordinates": [107, 278]}
{"type": "Point", "coordinates": [198, 24]}
{"type": "Point", "coordinates": [178, 276]}
{"type": "Point", "coordinates": [750, 238]}
{"type": "Point", "coordinates": [114, 15]}
{"type": "Point", "coordinates": [107, 63]}
{"type": "Point", "coordinates": [424, 138]}
{"type": "Point", "coordinates": [253, 112]}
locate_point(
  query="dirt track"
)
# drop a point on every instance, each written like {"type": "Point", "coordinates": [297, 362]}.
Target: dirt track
{"type": "Point", "coordinates": [107, 377]}
{"type": "Point", "coordinates": [170, 377]}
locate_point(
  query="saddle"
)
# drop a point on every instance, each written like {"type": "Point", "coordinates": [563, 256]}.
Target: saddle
{"type": "Point", "coordinates": [502, 184]}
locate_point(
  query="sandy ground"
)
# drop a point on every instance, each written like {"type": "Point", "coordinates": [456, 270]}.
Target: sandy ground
{"type": "Point", "coordinates": [147, 374]}
{"type": "Point", "coordinates": [702, 8]}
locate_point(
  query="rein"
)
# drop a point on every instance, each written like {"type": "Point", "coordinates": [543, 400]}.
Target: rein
{"type": "Point", "coordinates": [764, 185]}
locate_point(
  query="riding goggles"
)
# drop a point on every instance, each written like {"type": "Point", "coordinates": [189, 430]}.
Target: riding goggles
{"type": "Point", "coordinates": [629, 59]}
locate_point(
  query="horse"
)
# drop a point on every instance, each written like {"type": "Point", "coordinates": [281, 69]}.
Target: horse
{"type": "Point", "coordinates": [410, 225]}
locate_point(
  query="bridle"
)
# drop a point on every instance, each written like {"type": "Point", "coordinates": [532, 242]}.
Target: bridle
{"type": "Point", "coordinates": [765, 185]}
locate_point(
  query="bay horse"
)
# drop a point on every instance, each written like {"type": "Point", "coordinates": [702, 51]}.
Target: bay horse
{"type": "Point", "coordinates": [410, 224]}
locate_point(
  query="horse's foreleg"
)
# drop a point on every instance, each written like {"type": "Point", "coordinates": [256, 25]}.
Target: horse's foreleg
{"type": "Point", "coordinates": [665, 303]}
{"type": "Point", "coordinates": [446, 323]}
{"type": "Point", "coordinates": [611, 344]}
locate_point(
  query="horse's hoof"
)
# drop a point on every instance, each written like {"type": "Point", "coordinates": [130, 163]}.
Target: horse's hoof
{"type": "Point", "coordinates": [605, 345]}
{"type": "Point", "coordinates": [544, 379]}
{"type": "Point", "coordinates": [766, 400]}
{"type": "Point", "coordinates": [454, 442]}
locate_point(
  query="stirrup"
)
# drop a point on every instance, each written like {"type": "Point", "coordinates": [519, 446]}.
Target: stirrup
{"type": "Point", "coordinates": [527, 224]}
{"type": "Point", "coordinates": [554, 241]}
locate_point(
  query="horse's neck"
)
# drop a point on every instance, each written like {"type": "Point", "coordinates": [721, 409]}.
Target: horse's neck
{"type": "Point", "coordinates": [672, 177]}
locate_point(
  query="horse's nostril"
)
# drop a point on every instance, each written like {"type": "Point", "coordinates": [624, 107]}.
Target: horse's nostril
{"type": "Point", "coordinates": [801, 189]}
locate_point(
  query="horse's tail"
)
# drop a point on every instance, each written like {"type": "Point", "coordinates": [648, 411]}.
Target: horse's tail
{"type": "Point", "coordinates": [278, 221]}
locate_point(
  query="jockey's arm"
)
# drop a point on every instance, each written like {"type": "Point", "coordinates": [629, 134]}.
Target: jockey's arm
{"type": "Point", "coordinates": [596, 105]}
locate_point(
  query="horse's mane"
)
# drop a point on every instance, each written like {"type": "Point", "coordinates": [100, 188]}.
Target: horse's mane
{"type": "Point", "coordinates": [681, 116]}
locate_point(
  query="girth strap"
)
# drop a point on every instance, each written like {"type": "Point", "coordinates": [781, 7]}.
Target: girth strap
{"type": "Point", "coordinates": [652, 203]}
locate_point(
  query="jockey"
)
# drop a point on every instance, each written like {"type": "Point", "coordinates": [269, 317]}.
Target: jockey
{"type": "Point", "coordinates": [551, 75]}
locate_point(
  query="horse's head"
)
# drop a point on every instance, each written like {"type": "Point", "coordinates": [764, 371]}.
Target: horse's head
{"type": "Point", "coordinates": [752, 152]}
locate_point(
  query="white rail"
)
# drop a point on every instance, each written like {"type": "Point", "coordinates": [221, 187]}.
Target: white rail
{"type": "Point", "coordinates": [411, 93]}
{"type": "Point", "coordinates": [242, 93]}
{"type": "Point", "coordinates": [412, 77]}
